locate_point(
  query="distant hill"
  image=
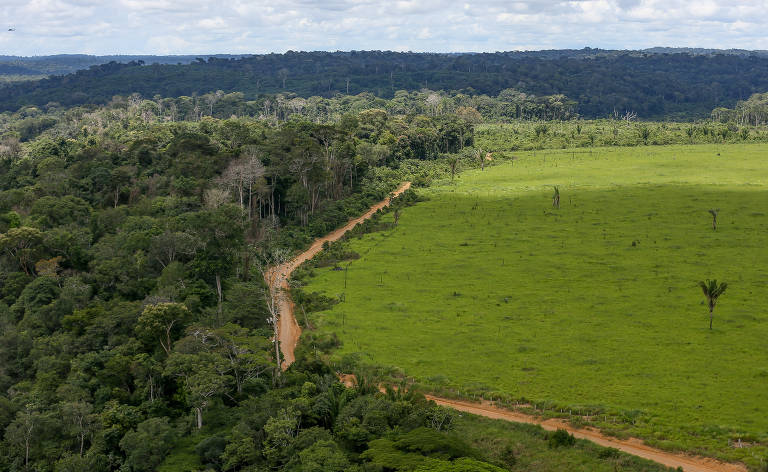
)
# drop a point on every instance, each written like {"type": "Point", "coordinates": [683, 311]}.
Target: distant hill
{"type": "Point", "coordinates": [68, 63]}
{"type": "Point", "coordinates": [658, 83]}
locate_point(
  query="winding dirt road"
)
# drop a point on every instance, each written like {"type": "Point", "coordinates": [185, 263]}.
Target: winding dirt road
{"type": "Point", "coordinates": [289, 330]}
{"type": "Point", "coordinates": [289, 333]}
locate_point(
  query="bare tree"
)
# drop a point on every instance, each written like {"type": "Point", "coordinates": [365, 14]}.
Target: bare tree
{"type": "Point", "coordinates": [212, 98]}
{"type": "Point", "coordinates": [254, 172]}
{"type": "Point", "coordinates": [297, 104]}
{"type": "Point", "coordinates": [433, 101]}
{"type": "Point", "coordinates": [629, 116]}
{"type": "Point", "coordinates": [215, 197]}
{"type": "Point", "coordinates": [242, 175]}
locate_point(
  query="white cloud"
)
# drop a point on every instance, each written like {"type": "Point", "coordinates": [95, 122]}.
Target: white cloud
{"type": "Point", "coordinates": [202, 26]}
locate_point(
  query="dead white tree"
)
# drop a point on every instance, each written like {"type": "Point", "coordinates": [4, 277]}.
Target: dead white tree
{"type": "Point", "coordinates": [433, 101]}
{"type": "Point", "coordinates": [253, 173]}
{"type": "Point", "coordinates": [215, 197]}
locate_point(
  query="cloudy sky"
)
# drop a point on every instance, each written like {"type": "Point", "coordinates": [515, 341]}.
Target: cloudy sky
{"type": "Point", "coordinates": [257, 26]}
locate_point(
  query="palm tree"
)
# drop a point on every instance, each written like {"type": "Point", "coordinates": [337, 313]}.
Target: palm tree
{"type": "Point", "coordinates": [712, 291]}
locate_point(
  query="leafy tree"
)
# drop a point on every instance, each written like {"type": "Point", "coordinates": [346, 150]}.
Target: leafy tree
{"type": "Point", "coordinates": [23, 245]}
{"type": "Point", "coordinates": [168, 246]}
{"type": "Point", "coordinates": [49, 212]}
{"type": "Point", "coordinates": [41, 306]}
{"type": "Point", "coordinates": [162, 323]}
{"type": "Point", "coordinates": [203, 377]}
{"type": "Point", "coordinates": [146, 447]}
{"type": "Point", "coordinates": [24, 431]}
{"type": "Point", "coordinates": [210, 450]}
{"type": "Point", "coordinates": [712, 292]}
{"type": "Point", "coordinates": [323, 456]}
{"type": "Point", "coordinates": [644, 133]}
{"type": "Point", "coordinates": [81, 421]}
{"type": "Point", "coordinates": [240, 452]}
{"type": "Point", "coordinates": [245, 355]}
{"type": "Point", "coordinates": [280, 431]}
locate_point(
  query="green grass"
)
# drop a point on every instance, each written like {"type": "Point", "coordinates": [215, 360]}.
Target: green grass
{"type": "Point", "coordinates": [486, 287]}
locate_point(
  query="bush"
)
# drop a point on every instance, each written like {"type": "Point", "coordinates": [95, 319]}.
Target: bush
{"type": "Point", "coordinates": [560, 438]}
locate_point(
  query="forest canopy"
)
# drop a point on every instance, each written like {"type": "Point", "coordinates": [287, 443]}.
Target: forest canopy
{"type": "Point", "coordinates": [653, 85]}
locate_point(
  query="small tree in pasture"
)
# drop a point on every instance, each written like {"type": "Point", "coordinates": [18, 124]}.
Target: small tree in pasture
{"type": "Point", "coordinates": [713, 212]}
{"type": "Point", "coordinates": [712, 292]}
{"type": "Point", "coordinates": [556, 198]}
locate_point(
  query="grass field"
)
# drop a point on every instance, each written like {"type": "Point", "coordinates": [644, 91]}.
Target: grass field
{"type": "Point", "coordinates": [486, 287]}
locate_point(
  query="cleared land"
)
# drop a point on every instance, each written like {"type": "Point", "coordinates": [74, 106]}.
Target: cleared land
{"type": "Point", "coordinates": [487, 287]}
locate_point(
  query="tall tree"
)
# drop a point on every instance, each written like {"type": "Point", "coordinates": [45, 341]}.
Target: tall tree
{"type": "Point", "coordinates": [203, 377]}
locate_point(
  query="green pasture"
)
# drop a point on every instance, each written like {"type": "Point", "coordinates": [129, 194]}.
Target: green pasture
{"type": "Point", "coordinates": [486, 287]}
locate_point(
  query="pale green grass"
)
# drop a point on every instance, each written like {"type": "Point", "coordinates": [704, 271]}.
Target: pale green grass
{"type": "Point", "coordinates": [486, 286]}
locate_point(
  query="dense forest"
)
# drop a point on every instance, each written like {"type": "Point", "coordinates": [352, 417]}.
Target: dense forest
{"type": "Point", "coordinates": [131, 296]}
{"type": "Point", "coordinates": [652, 85]}
{"type": "Point", "coordinates": [60, 64]}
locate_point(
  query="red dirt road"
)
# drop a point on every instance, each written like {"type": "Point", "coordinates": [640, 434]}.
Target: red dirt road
{"type": "Point", "coordinates": [289, 330]}
{"type": "Point", "coordinates": [632, 446]}
{"type": "Point", "coordinates": [289, 333]}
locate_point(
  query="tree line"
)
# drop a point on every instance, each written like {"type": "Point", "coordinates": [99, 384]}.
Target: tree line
{"type": "Point", "coordinates": [670, 86]}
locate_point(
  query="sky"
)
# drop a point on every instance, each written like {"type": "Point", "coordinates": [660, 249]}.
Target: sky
{"type": "Point", "coordinates": [102, 27]}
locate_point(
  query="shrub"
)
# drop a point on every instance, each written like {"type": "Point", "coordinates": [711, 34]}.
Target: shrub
{"type": "Point", "coordinates": [560, 438]}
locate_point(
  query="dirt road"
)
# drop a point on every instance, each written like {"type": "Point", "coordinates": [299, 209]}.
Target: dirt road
{"type": "Point", "coordinates": [289, 332]}
{"type": "Point", "coordinates": [632, 446]}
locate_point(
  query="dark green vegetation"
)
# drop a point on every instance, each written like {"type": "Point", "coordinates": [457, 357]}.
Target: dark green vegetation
{"type": "Point", "coordinates": [681, 86]}
{"type": "Point", "coordinates": [133, 328]}
{"type": "Point", "coordinates": [592, 309]}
